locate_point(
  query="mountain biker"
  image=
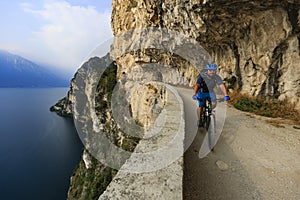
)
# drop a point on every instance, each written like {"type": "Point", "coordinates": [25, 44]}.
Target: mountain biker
{"type": "Point", "coordinates": [206, 82]}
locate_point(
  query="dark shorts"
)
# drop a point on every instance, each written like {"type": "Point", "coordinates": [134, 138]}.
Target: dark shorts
{"type": "Point", "coordinates": [211, 95]}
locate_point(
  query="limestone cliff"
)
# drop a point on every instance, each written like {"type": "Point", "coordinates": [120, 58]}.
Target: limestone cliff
{"type": "Point", "coordinates": [145, 101]}
{"type": "Point", "coordinates": [254, 42]}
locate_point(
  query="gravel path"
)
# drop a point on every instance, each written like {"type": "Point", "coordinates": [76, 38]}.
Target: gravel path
{"type": "Point", "coordinates": [252, 159]}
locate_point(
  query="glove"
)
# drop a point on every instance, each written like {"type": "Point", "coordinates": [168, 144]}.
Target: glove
{"type": "Point", "coordinates": [195, 97]}
{"type": "Point", "coordinates": [226, 98]}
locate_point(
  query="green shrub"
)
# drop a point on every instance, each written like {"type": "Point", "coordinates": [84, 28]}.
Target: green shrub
{"type": "Point", "coordinates": [268, 108]}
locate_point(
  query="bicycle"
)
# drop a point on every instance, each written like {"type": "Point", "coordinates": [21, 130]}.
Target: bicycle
{"type": "Point", "coordinates": [209, 121]}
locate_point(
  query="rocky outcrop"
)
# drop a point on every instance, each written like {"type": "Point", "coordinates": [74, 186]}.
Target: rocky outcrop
{"type": "Point", "coordinates": [91, 177]}
{"type": "Point", "coordinates": [63, 106]}
{"type": "Point", "coordinates": [255, 43]}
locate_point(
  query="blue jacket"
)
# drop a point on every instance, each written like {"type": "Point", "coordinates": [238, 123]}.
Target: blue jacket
{"type": "Point", "coordinates": [207, 83]}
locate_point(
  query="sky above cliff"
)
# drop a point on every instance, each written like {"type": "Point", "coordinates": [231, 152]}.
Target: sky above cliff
{"type": "Point", "coordinates": [60, 34]}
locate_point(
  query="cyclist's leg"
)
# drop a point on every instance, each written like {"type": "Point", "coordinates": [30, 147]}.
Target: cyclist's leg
{"type": "Point", "coordinates": [199, 111]}
{"type": "Point", "coordinates": [201, 102]}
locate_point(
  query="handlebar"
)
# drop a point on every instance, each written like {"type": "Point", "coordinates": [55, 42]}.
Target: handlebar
{"type": "Point", "coordinates": [226, 98]}
{"type": "Point", "coordinates": [218, 100]}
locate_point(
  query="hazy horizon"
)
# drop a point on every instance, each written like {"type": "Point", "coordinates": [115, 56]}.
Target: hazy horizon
{"type": "Point", "coordinates": [57, 34]}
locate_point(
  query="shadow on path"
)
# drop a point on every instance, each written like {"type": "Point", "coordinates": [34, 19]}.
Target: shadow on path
{"type": "Point", "coordinates": [204, 179]}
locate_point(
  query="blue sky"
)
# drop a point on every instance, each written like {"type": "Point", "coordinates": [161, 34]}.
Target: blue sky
{"type": "Point", "coordinates": [58, 33]}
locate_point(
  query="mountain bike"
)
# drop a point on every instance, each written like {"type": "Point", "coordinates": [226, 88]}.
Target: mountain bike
{"type": "Point", "coordinates": [208, 119]}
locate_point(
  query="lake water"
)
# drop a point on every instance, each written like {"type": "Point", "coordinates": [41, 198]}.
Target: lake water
{"type": "Point", "coordinates": [38, 149]}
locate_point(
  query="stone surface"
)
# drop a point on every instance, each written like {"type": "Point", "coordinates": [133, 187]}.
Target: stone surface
{"type": "Point", "coordinates": [222, 165]}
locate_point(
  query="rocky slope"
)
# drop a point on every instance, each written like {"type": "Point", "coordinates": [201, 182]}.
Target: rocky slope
{"type": "Point", "coordinates": [255, 43]}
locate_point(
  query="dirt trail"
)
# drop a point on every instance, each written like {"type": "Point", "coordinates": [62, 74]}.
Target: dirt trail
{"type": "Point", "coordinates": [252, 160]}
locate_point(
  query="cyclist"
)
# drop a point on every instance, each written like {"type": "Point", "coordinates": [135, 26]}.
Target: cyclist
{"type": "Point", "coordinates": [206, 82]}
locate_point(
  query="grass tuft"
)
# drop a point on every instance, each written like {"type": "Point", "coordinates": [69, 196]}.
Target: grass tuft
{"type": "Point", "coordinates": [268, 108]}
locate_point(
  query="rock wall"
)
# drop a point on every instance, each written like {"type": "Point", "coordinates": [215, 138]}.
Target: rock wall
{"type": "Point", "coordinates": [155, 170]}
{"type": "Point", "coordinates": [255, 43]}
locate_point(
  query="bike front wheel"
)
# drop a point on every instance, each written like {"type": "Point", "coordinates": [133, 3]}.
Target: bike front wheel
{"type": "Point", "coordinates": [211, 131]}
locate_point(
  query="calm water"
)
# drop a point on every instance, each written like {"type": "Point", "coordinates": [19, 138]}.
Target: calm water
{"type": "Point", "coordinates": [38, 149]}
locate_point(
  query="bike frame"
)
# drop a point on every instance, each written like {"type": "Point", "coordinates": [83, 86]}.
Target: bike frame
{"type": "Point", "coordinates": [207, 111]}
{"type": "Point", "coordinates": [209, 120]}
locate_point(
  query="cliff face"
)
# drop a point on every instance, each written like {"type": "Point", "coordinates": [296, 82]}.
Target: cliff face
{"type": "Point", "coordinates": [145, 102]}
{"type": "Point", "coordinates": [255, 43]}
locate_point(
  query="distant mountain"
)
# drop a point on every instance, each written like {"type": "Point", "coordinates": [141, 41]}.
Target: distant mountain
{"type": "Point", "coordinates": [16, 71]}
